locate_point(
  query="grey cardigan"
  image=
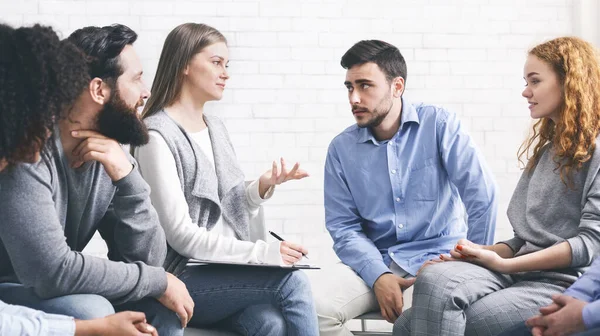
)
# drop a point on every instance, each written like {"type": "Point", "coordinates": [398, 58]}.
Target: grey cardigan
{"type": "Point", "coordinates": [208, 196]}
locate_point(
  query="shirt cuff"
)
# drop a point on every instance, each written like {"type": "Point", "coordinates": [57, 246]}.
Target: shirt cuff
{"type": "Point", "coordinates": [59, 325]}
{"type": "Point", "coordinates": [254, 194]}
{"type": "Point", "coordinates": [514, 243]}
{"type": "Point", "coordinates": [591, 315]}
{"type": "Point", "coordinates": [579, 254]}
{"type": "Point", "coordinates": [372, 271]}
{"type": "Point", "coordinates": [131, 184]}
{"type": "Point", "coordinates": [273, 255]}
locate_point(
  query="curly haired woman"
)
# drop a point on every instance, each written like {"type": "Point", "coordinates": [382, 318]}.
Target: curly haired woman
{"type": "Point", "coordinates": [554, 211]}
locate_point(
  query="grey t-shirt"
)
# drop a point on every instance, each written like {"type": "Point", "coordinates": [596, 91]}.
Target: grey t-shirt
{"type": "Point", "coordinates": [49, 213]}
{"type": "Point", "coordinates": [544, 212]}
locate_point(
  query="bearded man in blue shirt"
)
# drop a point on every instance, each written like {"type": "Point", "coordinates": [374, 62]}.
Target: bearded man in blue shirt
{"type": "Point", "coordinates": [397, 184]}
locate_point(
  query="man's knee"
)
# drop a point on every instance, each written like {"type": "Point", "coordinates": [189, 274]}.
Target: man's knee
{"type": "Point", "coordinates": [82, 306]}
{"type": "Point", "coordinates": [163, 319]}
{"type": "Point", "coordinates": [327, 313]}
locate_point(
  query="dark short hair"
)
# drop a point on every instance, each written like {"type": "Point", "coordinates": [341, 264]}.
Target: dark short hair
{"type": "Point", "coordinates": [103, 45]}
{"type": "Point", "coordinates": [40, 79]}
{"type": "Point", "coordinates": [387, 57]}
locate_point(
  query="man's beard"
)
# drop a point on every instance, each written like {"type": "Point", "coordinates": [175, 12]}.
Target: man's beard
{"type": "Point", "coordinates": [120, 122]}
{"type": "Point", "coordinates": [378, 114]}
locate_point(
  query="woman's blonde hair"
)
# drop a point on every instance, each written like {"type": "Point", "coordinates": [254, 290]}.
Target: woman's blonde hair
{"type": "Point", "coordinates": [180, 46]}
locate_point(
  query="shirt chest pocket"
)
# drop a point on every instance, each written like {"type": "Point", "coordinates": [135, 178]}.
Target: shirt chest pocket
{"type": "Point", "coordinates": [423, 180]}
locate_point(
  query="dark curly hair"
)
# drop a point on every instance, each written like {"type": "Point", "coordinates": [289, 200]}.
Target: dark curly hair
{"type": "Point", "coordinates": [103, 46]}
{"type": "Point", "coordinates": [40, 78]}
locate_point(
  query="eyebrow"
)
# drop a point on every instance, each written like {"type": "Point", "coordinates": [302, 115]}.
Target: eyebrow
{"type": "Point", "coordinates": [219, 57]}
{"type": "Point", "coordinates": [359, 81]}
{"type": "Point", "coordinates": [531, 74]}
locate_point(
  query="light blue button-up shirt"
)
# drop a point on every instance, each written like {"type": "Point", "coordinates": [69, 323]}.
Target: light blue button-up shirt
{"type": "Point", "coordinates": [400, 200]}
{"type": "Point", "coordinates": [587, 288]}
{"type": "Point", "coordinates": [16, 320]}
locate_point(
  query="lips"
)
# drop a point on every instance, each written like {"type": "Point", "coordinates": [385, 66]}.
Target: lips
{"type": "Point", "coordinates": [221, 85]}
{"type": "Point", "coordinates": [532, 105]}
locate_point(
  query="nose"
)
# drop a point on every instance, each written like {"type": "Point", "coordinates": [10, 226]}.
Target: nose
{"type": "Point", "coordinates": [527, 92]}
{"type": "Point", "coordinates": [145, 91]}
{"type": "Point", "coordinates": [354, 97]}
{"type": "Point", "coordinates": [225, 74]}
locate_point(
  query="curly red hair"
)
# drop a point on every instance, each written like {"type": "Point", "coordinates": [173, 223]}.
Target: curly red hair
{"type": "Point", "coordinates": [573, 136]}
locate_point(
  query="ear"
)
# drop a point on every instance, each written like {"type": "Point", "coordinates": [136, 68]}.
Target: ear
{"type": "Point", "coordinates": [398, 87]}
{"type": "Point", "coordinates": [99, 91]}
{"type": "Point", "coordinates": [186, 70]}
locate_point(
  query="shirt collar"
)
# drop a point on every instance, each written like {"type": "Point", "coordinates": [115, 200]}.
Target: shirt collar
{"type": "Point", "coordinates": [408, 114]}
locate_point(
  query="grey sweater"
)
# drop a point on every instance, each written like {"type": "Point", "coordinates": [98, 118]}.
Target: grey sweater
{"type": "Point", "coordinates": [209, 196]}
{"type": "Point", "coordinates": [48, 214]}
{"type": "Point", "coordinates": [544, 212]}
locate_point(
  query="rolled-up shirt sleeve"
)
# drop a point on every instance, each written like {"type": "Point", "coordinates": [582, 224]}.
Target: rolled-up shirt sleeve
{"type": "Point", "coordinates": [17, 320]}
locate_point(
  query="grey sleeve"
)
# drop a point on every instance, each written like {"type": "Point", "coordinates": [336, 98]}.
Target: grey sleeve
{"type": "Point", "coordinates": [514, 243]}
{"type": "Point", "coordinates": [34, 238]}
{"type": "Point", "coordinates": [585, 246]}
{"type": "Point", "coordinates": [131, 227]}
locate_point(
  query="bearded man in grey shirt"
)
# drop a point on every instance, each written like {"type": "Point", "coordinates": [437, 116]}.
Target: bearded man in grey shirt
{"type": "Point", "coordinates": [83, 183]}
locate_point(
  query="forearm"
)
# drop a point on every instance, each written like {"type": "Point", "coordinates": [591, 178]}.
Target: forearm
{"type": "Point", "coordinates": [89, 327]}
{"type": "Point", "coordinates": [359, 252]}
{"type": "Point", "coordinates": [137, 230]}
{"type": "Point", "coordinates": [501, 249]}
{"type": "Point", "coordinates": [554, 257]}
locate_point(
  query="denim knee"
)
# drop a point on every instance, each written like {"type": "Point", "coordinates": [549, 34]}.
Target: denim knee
{"type": "Point", "coordinates": [274, 326]}
{"type": "Point", "coordinates": [84, 306]}
{"type": "Point", "coordinates": [298, 282]}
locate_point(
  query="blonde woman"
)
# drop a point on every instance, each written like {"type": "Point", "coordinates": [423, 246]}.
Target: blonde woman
{"type": "Point", "coordinates": [204, 207]}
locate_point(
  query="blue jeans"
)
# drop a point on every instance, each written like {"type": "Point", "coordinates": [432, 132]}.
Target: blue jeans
{"type": "Point", "coordinates": [91, 306]}
{"type": "Point", "coordinates": [251, 300]}
{"type": "Point", "coordinates": [522, 330]}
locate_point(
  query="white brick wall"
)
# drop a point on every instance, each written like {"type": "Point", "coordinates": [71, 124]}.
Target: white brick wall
{"type": "Point", "coordinates": [286, 98]}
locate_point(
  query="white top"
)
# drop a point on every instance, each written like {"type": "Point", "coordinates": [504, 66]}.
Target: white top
{"type": "Point", "coordinates": [158, 168]}
{"type": "Point", "coordinates": [202, 139]}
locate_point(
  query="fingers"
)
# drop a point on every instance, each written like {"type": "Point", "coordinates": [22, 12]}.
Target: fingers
{"type": "Point", "coordinates": [79, 134]}
{"type": "Point", "coordinates": [274, 173]}
{"type": "Point", "coordinates": [292, 172]}
{"type": "Point", "coordinates": [468, 251]}
{"type": "Point", "coordinates": [399, 304]}
{"type": "Point", "coordinates": [537, 331]}
{"type": "Point", "coordinates": [457, 255]}
{"type": "Point", "coordinates": [554, 307]}
{"type": "Point", "coordinates": [384, 313]}
{"type": "Point", "coordinates": [561, 299]}
{"type": "Point", "coordinates": [189, 308]}
{"type": "Point", "coordinates": [289, 260]}
{"type": "Point", "coordinates": [446, 257]}
{"type": "Point", "coordinates": [135, 317]}
{"type": "Point", "coordinates": [533, 321]}
{"type": "Point", "coordinates": [183, 315]}
{"type": "Point", "coordinates": [296, 247]}
{"type": "Point", "coordinates": [281, 177]}
{"type": "Point", "coordinates": [388, 314]}
{"type": "Point", "coordinates": [405, 283]}
{"type": "Point", "coordinates": [146, 329]}
{"type": "Point", "coordinates": [89, 145]}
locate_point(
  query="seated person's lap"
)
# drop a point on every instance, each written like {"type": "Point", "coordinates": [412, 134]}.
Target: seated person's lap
{"type": "Point", "coordinates": [80, 306]}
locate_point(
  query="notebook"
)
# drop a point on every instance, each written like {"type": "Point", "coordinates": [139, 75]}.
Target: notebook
{"type": "Point", "coordinates": [212, 262]}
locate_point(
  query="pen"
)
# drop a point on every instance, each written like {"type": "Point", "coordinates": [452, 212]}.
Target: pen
{"type": "Point", "coordinates": [281, 239]}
